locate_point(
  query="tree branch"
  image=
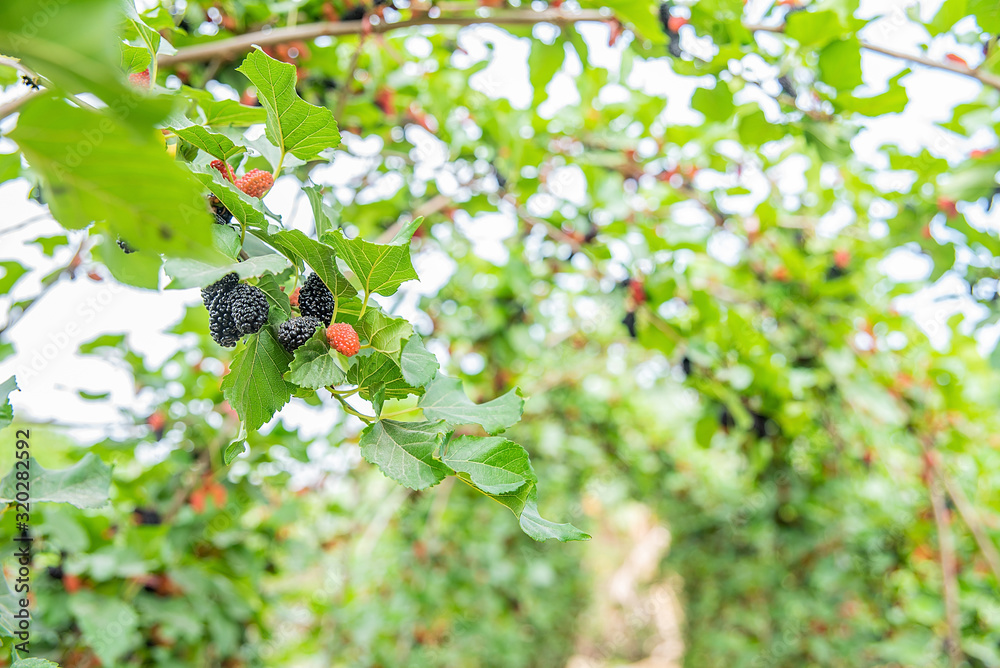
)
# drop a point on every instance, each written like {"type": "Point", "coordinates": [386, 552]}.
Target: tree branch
{"type": "Point", "coordinates": [946, 552]}
{"type": "Point", "coordinates": [236, 45]}
{"type": "Point", "coordinates": [986, 78]}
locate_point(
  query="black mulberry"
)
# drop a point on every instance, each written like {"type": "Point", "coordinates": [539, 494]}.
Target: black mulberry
{"type": "Point", "coordinates": [218, 300]}
{"type": "Point", "coordinates": [316, 300]}
{"type": "Point", "coordinates": [221, 286]}
{"type": "Point", "coordinates": [293, 333]}
{"type": "Point", "coordinates": [249, 308]}
{"type": "Point", "coordinates": [221, 324]}
{"type": "Point", "coordinates": [125, 247]}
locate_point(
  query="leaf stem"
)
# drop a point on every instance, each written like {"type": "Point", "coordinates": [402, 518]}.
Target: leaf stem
{"type": "Point", "coordinates": [281, 162]}
{"type": "Point", "coordinates": [348, 409]}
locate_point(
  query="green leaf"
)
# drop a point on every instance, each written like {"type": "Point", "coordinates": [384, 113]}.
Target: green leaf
{"type": "Point", "coordinates": [255, 386]}
{"type": "Point", "coordinates": [140, 269]}
{"type": "Point", "coordinates": [72, 44]}
{"type": "Point", "coordinates": [384, 333]}
{"type": "Point", "coordinates": [237, 447]}
{"type": "Point", "coordinates": [544, 61]}
{"type": "Point", "coordinates": [194, 274]}
{"type": "Point", "coordinates": [540, 529]}
{"type": "Point", "coordinates": [380, 268]}
{"type": "Point", "coordinates": [84, 485]}
{"type": "Point", "coordinates": [95, 169]}
{"type": "Point", "coordinates": [493, 464]}
{"type": "Point", "coordinates": [227, 240]}
{"type": "Point", "coordinates": [715, 103]}
{"type": "Point", "coordinates": [814, 29]}
{"type": "Point", "coordinates": [216, 145]}
{"type": "Point", "coordinates": [323, 213]}
{"type": "Point", "coordinates": [404, 451]}
{"type": "Point", "coordinates": [754, 129]}
{"type": "Point", "coordinates": [6, 410]}
{"type": "Point", "coordinates": [48, 245]}
{"type": "Point", "coordinates": [34, 663]}
{"type": "Point", "coordinates": [320, 257]}
{"type": "Point", "coordinates": [10, 166]}
{"type": "Point", "coordinates": [246, 209]}
{"type": "Point", "coordinates": [134, 58]}
{"type": "Point", "coordinates": [376, 368]}
{"type": "Point", "coordinates": [12, 272]}
{"type": "Point", "coordinates": [108, 624]}
{"type": "Point", "coordinates": [951, 12]}
{"type": "Point", "coordinates": [891, 101]}
{"type": "Point", "coordinates": [293, 125]}
{"type": "Point", "coordinates": [840, 64]}
{"type": "Point", "coordinates": [315, 364]}
{"type": "Point", "coordinates": [445, 399]}
{"type": "Point", "coordinates": [231, 112]}
{"type": "Point", "coordinates": [281, 308]}
{"type": "Point", "coordinates": [417, 364]}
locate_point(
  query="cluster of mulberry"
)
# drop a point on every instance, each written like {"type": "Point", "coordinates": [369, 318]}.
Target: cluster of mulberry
{"type": "Point", "coordinates": [316, 300]}
{"type": "Point", "coordinates": [295, 332]}
{"type": "Point", "coordinates": [234, 309]}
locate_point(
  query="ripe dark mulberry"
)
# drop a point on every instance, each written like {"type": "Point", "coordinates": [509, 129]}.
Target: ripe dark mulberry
{"type": "Point", "coordinates": [125, 247]}
{"type": "Point", "coordinates": [293, 333]}
{"type": "Point", "coordinates": [224, 284]}
{"type": "Point", "coordinates": [249, 308]}
{"type": "Point", "coordinates": [316, 300]}
{"type": "Point", "coordinates": [218, 300]}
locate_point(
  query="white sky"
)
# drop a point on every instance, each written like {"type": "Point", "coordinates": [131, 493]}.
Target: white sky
{"type": "Point", "coordinates": [49, 372]}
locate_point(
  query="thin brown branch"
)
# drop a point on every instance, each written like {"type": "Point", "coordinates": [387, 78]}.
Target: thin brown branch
{"type": "Point", "coordinates": [946, 553]}
{"type": "Point", "coordinates": [9, 108]}
{"type": "Point", "coordinates": [986, 78]}
{"type": "Point", "coordinates": [234, 46]}
{"type": "Point", "coordinates": [345, 90]}
{"type": "Point", "coordinates": [969, 515]}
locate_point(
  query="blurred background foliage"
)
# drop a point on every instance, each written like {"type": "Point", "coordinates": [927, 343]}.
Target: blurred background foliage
{"type": "Point", "coordinates": [777, 466]}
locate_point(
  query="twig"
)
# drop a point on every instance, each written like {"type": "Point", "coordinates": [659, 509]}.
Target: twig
{"type": "Point", "coordinates": [236, 45]}
{"type": "Point", "coordinates": [985, 78]}
{"type": "Point", "coordinates": [946, 553]}
{"type": "Point", "coordinates": [9, 108]}
{"type": "Point", "coordinates": [345, 90]}
{"type": "Point", "coordinates": [968, 513]}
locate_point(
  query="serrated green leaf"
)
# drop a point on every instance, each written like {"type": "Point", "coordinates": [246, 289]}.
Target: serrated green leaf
{"type": "Point", "coordinates": [417, 364]}
{"type": "Point", "coordinates": [541, 529]}
{"type": "Point", "coordinates": [34, 663]}
{"type": "Point", "coordinates": [404, 451]}
{"type": "Point", "coordinates": [244, 208]}
{"type": "Point", "coordinates": [315, 364]}
{"type": "Point", "coordinates": [216, 145]}
{"type": "Point", "coordinates": [134, 58]}
{"type": "Point", "coordinates": [445, 399]}
{"type": "Point", "coordinates": [124, 179]}
{"type": "Point", "coordinates": [6, 410]}
{"type": "Point", "coordinates": [374, 368]}
{"type": "Point", "coordinates": [194, 274]}
{"type": "Point", "coordinates": [255, 386]}
{"type": "Point", "coordinates": [84, 485]}
{"type": "Point", "coordinates": [384, 333]}
{"type": "Point", "coordinates": [493, 464]}
{"type": "Point", "coordinates": [320, 257]}
{"type": "Point", "coordinates": [380, 268]}
{"type": "Point", "coordinates": [293, 125]}
{"type": "Point", "coordinates": [227, 240]}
